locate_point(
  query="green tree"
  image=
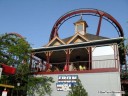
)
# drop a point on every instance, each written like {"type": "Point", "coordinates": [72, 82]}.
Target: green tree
{"type": "Point", "coordinates": [15, 51]}
{"type": "Point", "coordinates": [77, 90]}
{"type": "Point", "coordinates": [124, 72]}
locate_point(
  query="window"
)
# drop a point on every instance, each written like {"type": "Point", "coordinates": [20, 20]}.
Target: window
{"type": "Point", "coordinates": [80, 27]}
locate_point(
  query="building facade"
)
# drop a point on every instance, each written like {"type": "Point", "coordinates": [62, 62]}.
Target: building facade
{"type": "Point", "coordinates": [94, 59]}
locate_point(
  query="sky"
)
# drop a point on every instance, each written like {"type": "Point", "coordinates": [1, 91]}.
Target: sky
{"type": "Point", "coordinates": [34, 19]}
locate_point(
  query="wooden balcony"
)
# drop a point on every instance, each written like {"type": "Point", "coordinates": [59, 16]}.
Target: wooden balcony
{"type": "Point", "coordinates": [96, 66]}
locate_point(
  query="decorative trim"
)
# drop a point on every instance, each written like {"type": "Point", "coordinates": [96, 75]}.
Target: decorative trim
{"type": "Point", "coordinates": [55, 38]}
{"type": "Point", "coordinates": [75, 36]}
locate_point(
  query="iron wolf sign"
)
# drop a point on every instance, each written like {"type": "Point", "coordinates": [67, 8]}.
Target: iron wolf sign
{"type": "Point", "coordinates": [65, 82]}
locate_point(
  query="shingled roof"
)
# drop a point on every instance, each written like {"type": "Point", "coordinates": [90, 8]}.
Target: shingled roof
{"type": "Point", "coordinates": [90, 37]}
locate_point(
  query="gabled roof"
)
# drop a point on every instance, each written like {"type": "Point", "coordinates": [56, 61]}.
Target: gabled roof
{"type": "Point", "coordinates": [89, 37]}
{"type": "Point", "coordinates": [77, 38]}
{"type": "Point", "coordinates": [56, 41]}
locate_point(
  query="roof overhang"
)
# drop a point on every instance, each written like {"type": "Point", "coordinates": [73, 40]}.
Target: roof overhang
{"type": "Point", "coordinates": [79, 45]}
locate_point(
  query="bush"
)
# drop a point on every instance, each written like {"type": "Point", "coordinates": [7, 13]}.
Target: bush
{"type": "Point", "coordinates": [77, 90]}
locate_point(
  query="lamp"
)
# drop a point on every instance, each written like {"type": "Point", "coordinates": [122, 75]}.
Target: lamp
{"type": "Point", "coordinates": [18, 84]}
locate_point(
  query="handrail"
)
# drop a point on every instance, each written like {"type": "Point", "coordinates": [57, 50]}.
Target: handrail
{"type": "Point", "coordinates": [96, 64]}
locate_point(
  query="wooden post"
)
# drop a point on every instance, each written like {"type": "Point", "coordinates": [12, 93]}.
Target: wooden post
{"type": "Point", "coordinates": [115, 55]}
{"type": "Point", "coordinates": [30, 61]}
{"type": "Point", "coordinates": [48, 54]}
{"type": "Point", "coordinates": [67, 59]}
{"type": "Point", "coordinates": [90, 57]}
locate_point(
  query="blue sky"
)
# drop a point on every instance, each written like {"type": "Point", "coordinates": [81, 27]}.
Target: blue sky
{"type": "Point", "coordinates": [34, 19]}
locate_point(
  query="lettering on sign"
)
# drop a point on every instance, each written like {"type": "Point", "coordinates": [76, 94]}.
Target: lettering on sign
{"type": "Point", "coordinates": [65, 82]}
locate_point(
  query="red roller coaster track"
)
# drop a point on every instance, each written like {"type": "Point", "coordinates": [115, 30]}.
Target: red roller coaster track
{"type": "Point", "coordinates": [95, 12]}
{"type": "Point", "coordinates": [16, 34]}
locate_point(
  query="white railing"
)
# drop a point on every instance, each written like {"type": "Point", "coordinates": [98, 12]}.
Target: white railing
{"type": "Point", "coordinates": [109, 63]}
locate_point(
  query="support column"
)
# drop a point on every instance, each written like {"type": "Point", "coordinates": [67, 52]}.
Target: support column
{"type": "Point", "coordinates": [115, 56]}
{"type": "Point", "coordinates": [48, 54]}
{"type": "Point", "coordinates": [30, 61]}
{"type": "Point", "coordinates": [99, 25]}
{"type": "Point", "coordinates": [90, 57]}
{"type": "Point", "coordinates": [66, 67]}
{"type": "Point", "coordinates": [126, 67]}
{"type": "Point", "coordinates": [47, 57]}
{"type": "Point", "coordinates": [119, 65]}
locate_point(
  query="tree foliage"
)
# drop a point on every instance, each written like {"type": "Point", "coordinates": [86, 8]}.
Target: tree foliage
{"type": "Point", "coordinates": [126, 46]}
{"type": "Point", "coordinates": [15, 51]}
{"type": "Point", "coordinates": [124, 71]}
{"type": "Point", "coordinates": [77, 90]}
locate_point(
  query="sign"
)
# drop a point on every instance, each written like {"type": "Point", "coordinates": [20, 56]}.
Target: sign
{"type": "Point", "coordinates": [0, 72]}
{"type": "Point", "coordinates": [65, 82]}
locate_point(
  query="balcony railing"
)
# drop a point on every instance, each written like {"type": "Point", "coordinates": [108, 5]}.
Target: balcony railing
{"type": "Point", "coordinates": [74, 66]}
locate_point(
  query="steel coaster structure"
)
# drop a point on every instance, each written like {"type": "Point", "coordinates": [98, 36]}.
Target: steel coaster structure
{"type": "Point", "coordinates": [83, 11]}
